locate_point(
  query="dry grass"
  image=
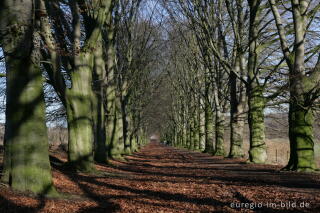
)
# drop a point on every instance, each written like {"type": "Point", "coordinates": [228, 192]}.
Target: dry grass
{"type": "Point", "coordinates": [278, 147]}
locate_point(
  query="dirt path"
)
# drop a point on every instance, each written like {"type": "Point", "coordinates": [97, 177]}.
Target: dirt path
{"type": "Point", "coordinates": [165, 179]}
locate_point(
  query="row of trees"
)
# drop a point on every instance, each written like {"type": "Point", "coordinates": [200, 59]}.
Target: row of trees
{"type": "Point", "coordinates": [119, 69]}
{"type": "Point", "coordinates": [237, 57]}
{"type": "Point", "coordinates": [94, 58]}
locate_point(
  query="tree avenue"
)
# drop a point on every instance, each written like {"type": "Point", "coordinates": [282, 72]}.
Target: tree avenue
{"type": "Point", "coordinates": [200, 73]}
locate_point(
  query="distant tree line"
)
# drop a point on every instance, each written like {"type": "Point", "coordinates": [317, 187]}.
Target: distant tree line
{"type": "Point", "coordinates": [236, 58]}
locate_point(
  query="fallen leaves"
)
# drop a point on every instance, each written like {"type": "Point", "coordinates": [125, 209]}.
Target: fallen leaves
{"type": "Point", "coordinates": [164, 179]}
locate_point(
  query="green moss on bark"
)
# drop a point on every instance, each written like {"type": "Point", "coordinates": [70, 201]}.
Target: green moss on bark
{"type": "Point", "coordinates": [301, 139]}
{"type": "Point", "coordinates": [258, 149]}
{"type": "Point", "coordinates": [79, 115]}
{"type": "Point", "coordinates": [26, 163]}
{"type": "Point", "coordinates": [219, 132]}
{"type": "Point", "coordinates": [208, 126]}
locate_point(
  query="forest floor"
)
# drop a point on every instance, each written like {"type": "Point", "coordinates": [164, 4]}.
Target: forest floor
{"type": "Point", "coordinates": [163, 179]}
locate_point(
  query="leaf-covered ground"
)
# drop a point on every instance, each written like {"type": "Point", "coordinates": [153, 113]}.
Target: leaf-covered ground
{"type": "Point", "coordinates": [164, 179]}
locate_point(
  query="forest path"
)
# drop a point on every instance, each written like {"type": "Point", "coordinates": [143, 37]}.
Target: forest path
{"type": "Point", "coordinates": [160, 178]}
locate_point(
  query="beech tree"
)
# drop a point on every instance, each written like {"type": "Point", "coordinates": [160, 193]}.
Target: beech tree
{"type": "Point", "coordinates": [83, 63]}
{"type": "Point", "coordinates": [26, 161]}
{"type": "Point", "coordinates": [303, 81]}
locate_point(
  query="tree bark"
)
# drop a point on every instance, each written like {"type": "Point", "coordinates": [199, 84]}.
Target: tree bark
{"type": "Point", "coordinates": [237, 112]}
{"type": "Point", "coordinates": [301, 89]}
{"type": "Point", "coordinates": [301, 139]}
{"type": "Point", "coordinates": [258, 149]}
{"type": "Point", "coordinates": [219, 126]}
{"type": "Point", "coordinates": [219, 133]}
{"type": "Point", "coordinates": [208, 129]}
{"type": "Point", "coordinates": [300, 110]}
{"type": "Point", "coordinates": [79, 115]}
{"type": "Point", "coordinates": [26, 161]}
{"type": "Point", "coordinates": [256, 101]}
{"type": "Point", "coordinates": [98, 104]}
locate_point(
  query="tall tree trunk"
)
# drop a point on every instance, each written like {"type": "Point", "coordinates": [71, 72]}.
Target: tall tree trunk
{"type": "Point", "coordinates": [219, 133]}
{"type": "Point", "coordinates": [208, 129]}
{"type": "Point", "coordinates": [80, 96]}
{"type": "Point", "coordinates": [201, 128]}
{"type": "Point", "coordinates": [125, 124]}
{"type": "Point", "coordinates": [98, 104]}
{"type": "Point", "coordinates": [184, 134]}
{"type": "Point", "coordinates": [79, 115]}
{"type": "Point", "coordinates": [195, 132]}
{"type": "Point", "coordinates": [237, 115]}
{"type": "Point", "coordinates": [196, 124]}
{"type": "Point", "coordinates": [26, 161]}
{"type": "Point", "coordinates": [219, 126]}
{"type": "Point", "coordinates": [256, 101]}
{"type": "Point", "coordinates": [301, 138]}
{"type": "Point", "coordinates": [114, 133]}
{"type": "Point", "coordinates": [236, 131]}
{"type": "Point", "coordinates": [300, 110]}
{"type": "Point", "coordinates": [114, 121]}
{"type": "Point", "coordinates": [208, 125]}
{"type": "Point", "coordinates": [190, 136]}
{"type": "Point", "coordinates": [258, 149]}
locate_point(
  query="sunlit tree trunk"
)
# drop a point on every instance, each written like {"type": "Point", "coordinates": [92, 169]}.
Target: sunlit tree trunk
{"type": "Point", "coordinates": [237, 110]}
{"type": "Point", "coordinates": [256, 101]}
{"type": "Point", "coordinates": [80, 96]}
{"type": "Point", "coordinates": [196, 124]}
{"type": "Point", "coordinates": [219, 127]}
{"type": "Point", "coordinates": [219, 133]}
{"type": "Point", "coordinates": [303, 88]}
{"type": "Point", "coordinates": [208, 129]}
{"type": "Point", "coordinates": [125, 124]}
{"type": "Point", "coordinates": [201, 126]}
{"type": "Point", "coordinates": [114, 126]}
{"type": "Point", "coordinates": [208, 117]}
{"type": "Point", "coordinates": [79, 114]}
{"type": "Point", "coordinates": [26, 161]}
{"type": "Point", "coordinates": [300, 112]}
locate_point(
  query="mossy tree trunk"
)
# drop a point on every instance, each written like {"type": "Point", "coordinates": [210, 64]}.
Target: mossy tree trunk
{"type": "Point", "coordinates": [301, 95]}
{"type": "Point", "coordinates": [184, 133]}
{"type": "Point", "coordinates": [301, 139]}
{"type": "Point", "coordinates": [79, 97]}
{"type": "Point", "coordinates": [114, 119]}
{"type": "Point", "coordinates": [237, 120]}
{"type": "Point", "coordinates": [237, 112]}
{"type": "Point", "coordinates": [202, 130]}
{"type": "Point", "coordinates": [258, 149]}
{"type": "Point", "coordinates": [208, 122]}
{"type": "Point", "coordinates": [304, 89]}
{"type": "Point", "coordinates": [196, 123]}
{"type": "Point", "coordinates": [208, 129]}
{"type": "Point", "coordinates": [114, 141]}
{"type": "Point", "coordinates": [190, 135]}
{"type": "Point", "coordinates": [80, 116]}
{"type": "Point", "coordinates": [256, 101]}
{"type": "Point", "coordinates": [26, 161]}
{"type": "Point", "coordinates": [195, 133]}
{"type": "Point", "coordinates": [125, 124]}
{"type": "Point", "coordinates": [219, 134]}
{"type": "Point", "coordinates": [219, 126]}
{"type": "Point", "coordinates": [236, 131]}
{"type": "Point", "coordinates": [99, 116]}
{"type": "Point", "coordinates": [82, 105]}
